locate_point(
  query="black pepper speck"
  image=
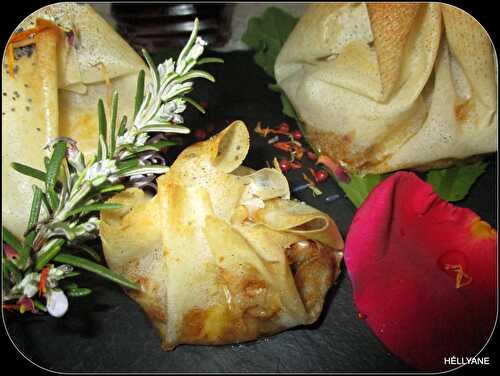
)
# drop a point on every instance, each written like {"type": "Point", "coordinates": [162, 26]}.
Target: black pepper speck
{"type": "Point", "coordinates": [38, 129]}
{"type": "Point", "coordinates": [12, 109]}
{"type": "Point", "coordinates": [27, 108]}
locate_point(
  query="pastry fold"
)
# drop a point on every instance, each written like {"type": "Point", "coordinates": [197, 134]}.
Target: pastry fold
{"type": "Point", "coordinates": [221, 253]}
{"type": "Point", "coordinates": [59, 76]}
{"type": "Point", "coordinates": [387, 86]}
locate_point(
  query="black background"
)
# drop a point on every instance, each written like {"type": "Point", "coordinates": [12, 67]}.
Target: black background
{"type": "Point", "coordinates": [108, 332]}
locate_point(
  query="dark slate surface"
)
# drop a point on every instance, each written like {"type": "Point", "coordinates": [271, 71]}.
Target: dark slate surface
{"type": "Point", "coordinates": [108, 332]}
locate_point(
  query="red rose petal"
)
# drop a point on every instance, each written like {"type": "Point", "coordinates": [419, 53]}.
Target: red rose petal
{"type": "Point", "coordinates": [423, 272]}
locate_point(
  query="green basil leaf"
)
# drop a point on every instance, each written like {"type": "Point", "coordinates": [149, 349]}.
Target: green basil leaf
{"type": "Point", "coordinates": [267, 34]}
{"type": "Point", "coordinates": [287, 107]}
{"type": "Point", "coordinates": [359, 187]}
{"type": "Point", "coordinates": [453, 184]}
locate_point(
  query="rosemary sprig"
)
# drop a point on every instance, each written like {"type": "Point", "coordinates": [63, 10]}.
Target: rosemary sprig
{"type": "Point", "coordinates": [75, 189]}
